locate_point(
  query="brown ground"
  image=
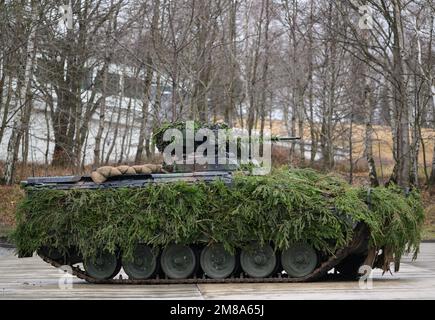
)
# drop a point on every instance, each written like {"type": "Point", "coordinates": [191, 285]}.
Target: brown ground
{"type": "Point", "coordinates": [429, 203]}
{"type": "Point", "coordinates": [9, 197]}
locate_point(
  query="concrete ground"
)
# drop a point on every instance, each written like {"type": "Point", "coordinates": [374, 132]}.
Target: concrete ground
{"type": "Point", "coordinates": [31, 278]}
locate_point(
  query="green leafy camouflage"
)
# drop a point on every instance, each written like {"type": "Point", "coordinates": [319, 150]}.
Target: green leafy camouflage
{"type": "Point", "coordinates": [283, 207]}
{"type": "Point", "coordinates": [181, 125]}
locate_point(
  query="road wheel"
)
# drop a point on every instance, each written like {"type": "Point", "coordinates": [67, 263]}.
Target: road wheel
{"type": "Point", "coordinates": [299, 260]}
{"type": "Point", "coordinates": [103, 266]}
{"type": "Point", "coordinates": [258, 261]}
{"type": "Point", "coordinates": [216, 262]}
{"type": "Point", "coordinates": [143, 264]}
{"type": "Point", "coordinates": [178, 261]}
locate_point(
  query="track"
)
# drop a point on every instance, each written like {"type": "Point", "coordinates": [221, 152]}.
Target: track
{"type": "Point", "coordinates": [361, 233]}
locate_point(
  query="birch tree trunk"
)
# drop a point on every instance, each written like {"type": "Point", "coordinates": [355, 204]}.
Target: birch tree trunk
{"type": "Point", "coordinates": [401, 171]}
{"type": "Point", "coordinates": [124, 135]}
{"type": "Point", "coordinates": [264, 77]}
{"type": "Point", "coordinates": [24, 102]}
{"type": "Point", "coordinates": [102, 114]}
{"type": "Point", "coordinates": [6, 105]}
{"type": "Point", "coordinates": [230, 107]}
{"type": "Point", "coordinates": [368, 107]}
{"type": "Point", "coordinates": [432, 174]}
{"type": "Point", "coordinates": [147, 88]}
{"type": "Point", "coordinates": [427, 75]}
{"type": "Point", "coordinates": [118, 119]}
{"type": "Point", "coordinates": [313, 136]}
{"type": "Point", "coordinates": [144, 117]}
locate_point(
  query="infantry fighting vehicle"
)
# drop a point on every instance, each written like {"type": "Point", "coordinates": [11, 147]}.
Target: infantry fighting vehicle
{"type": "Point", "coordinates": [195, 263]}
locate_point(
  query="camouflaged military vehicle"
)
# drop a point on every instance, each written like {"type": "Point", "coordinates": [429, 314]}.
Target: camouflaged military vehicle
{"type": "Point", "coordinates": [213, 223]}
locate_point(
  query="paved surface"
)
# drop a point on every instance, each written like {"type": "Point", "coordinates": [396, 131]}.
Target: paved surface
{"type": "Point", "coordinates": [31, 278]}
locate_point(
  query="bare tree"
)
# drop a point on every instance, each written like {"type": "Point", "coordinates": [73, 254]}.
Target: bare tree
{"type": "Point", "coordinates": [24, 102]}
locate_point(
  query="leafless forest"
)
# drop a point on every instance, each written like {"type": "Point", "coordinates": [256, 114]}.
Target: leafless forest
{"type": "Point", "coordinates": [93, 82]}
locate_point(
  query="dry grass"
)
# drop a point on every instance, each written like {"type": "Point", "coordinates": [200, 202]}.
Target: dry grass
{"type": "Point", "coordinates": [382, 143]}
{"type": "Point", "coordinates": [429, 205]}
{"type": "Point", "coordinates": [9, 197]}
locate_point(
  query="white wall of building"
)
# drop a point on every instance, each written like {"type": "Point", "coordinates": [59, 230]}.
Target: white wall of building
{"type": "Point", "coordinates": [41, 137]}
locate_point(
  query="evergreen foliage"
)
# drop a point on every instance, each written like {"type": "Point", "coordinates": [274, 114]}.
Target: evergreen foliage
{"type": "Point", "coordinates": [284, 207]}
{"type": "Point", "coordinates": [181, 126]}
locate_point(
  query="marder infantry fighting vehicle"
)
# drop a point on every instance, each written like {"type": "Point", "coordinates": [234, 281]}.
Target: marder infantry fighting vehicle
{"type": "Point", "coordinates": [195, 257]}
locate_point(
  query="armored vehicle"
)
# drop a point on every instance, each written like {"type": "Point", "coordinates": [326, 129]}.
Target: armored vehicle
{"type": "Point", "coordinates": [212, 223]}
{"type": "Point", "coordinates": [198, 262]}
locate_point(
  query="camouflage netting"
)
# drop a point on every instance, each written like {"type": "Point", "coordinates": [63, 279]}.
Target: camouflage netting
{"type": "Point", "coordinates": [181, 125]}
{"type": "Point", "coordinates": [285, 207]}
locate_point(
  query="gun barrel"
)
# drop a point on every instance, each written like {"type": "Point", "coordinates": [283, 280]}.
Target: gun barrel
{"type": "Point", "coordinates": [286, 138]}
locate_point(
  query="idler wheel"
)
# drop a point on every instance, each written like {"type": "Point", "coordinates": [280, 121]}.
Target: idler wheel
{"type": "Point", "coordinates": [178, 261]}
{"type": "Point", "coordinates": [258, 261]}
{"type": "Point", "coordinates": [216, 262]}
{"type": "Point", "coordinates": [299, 260]}
{"type": "Point", "coordinates": [143, 265]}
{"type": "Point", "coordinates": [103, 266]}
